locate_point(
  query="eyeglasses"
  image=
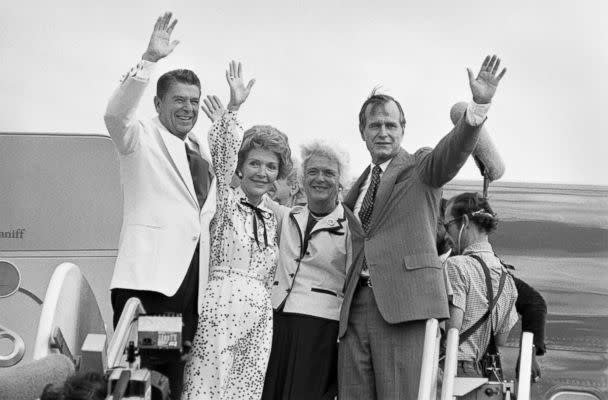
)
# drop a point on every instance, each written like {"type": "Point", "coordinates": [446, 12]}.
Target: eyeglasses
{"type": "Point", "coordinates": [446, 225]}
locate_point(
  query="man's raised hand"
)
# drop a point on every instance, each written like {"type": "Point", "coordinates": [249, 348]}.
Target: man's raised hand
{"type": "Point", "coordinates": [160, 45]}
{"type": "Point", "coordinates": [484, 86]}
{"type": "Point", "coordinates": [213, 108]}
{"type": "Point", "coordinates": [238, 90]}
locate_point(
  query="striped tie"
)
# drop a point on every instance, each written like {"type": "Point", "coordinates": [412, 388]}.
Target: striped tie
{"type": "Point", "coordinates": [365, 214]}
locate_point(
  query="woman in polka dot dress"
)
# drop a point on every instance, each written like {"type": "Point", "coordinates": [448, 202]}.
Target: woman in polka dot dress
{"type": "Point", "coordinates": [232, 343]}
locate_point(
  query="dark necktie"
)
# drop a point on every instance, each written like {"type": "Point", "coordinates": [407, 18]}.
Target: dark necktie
{"type": "Point", "coordinates": [365, 213]}
{"type": "Point", "coordinates": [199, 169]}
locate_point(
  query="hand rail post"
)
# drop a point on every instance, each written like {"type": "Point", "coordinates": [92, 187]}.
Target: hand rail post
{"type": "Point", "coordinates": [450, 365]}
{"type": "Point", "coordinates": [525, 366]}
{"type": "Point", "coordinates": [429, 359]}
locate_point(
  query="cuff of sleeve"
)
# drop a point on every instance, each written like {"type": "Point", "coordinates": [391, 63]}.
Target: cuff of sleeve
{"type": "Point", "coordinates": [141, 72]}
{"type": "Point", "coordinates": [459, 301]}
{"type": "Point", "coordinates": [476, 113]}
{"type": "Point", "coordinates": [231, 115]}
{"type": "Point", "coordinates": [144, 69]}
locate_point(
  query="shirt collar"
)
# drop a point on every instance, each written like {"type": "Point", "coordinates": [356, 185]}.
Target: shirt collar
{"type": "Point", "coordinates": [478, 247]}
{"type": "Point", "coordinates": [382, 166]}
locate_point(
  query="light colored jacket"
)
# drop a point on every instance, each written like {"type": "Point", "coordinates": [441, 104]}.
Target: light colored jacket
{"type": "Point", "coordinates": [162, 221]}
{"type": "Point", "coordinates": [310, 278]}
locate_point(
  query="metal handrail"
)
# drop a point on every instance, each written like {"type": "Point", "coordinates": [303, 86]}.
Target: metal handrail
{"type": "Point", "coordinates": [525, 366]}
{"type": "Point", "coordinates": [430, 360]}
{"type": "Point", "coordinates": [450, 365]}
{"type": "Point", "coordinates": [125, 330]}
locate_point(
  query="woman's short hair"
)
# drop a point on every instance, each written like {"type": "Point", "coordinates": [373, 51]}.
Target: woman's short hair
{"type": "Point", "coordinates": [267, 138]}
{"type": "Point", "coordinates": [477, 208]}
{"type": "Point", "coordinates": [322, 149]}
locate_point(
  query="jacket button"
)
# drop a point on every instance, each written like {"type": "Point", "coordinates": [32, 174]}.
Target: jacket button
{"type": "Point", "coordinates": [288, 290]}
{"type": "Point", "coordinates": [292, 275]}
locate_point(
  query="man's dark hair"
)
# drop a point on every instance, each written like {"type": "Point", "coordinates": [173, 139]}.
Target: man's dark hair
{"type": "Point", "coordinates": [376, 99]}
{"type": "Point", "coordinates": [177, 75]}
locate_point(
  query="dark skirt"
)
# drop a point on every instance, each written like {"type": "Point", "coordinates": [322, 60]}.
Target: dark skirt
{"type": "Point", "coordinates": [304, 358]}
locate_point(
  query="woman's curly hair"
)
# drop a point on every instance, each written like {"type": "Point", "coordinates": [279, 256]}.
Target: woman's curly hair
{"type": "Point", "coordinates": [268, 138]}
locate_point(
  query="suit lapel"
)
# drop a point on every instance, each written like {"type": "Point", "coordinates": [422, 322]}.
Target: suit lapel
{"type": "Point", "coordinates": [353, 193]}
{"type": "Point", "coordinates": [177, 158]}
{"type": "Point", "coordinates": [301, 218]}
{"type": "Point", "coordinates": [298, 217]}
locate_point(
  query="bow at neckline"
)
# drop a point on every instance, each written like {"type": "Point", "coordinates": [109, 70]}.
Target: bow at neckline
{"type": "Point", "coordinates": [260, 214]}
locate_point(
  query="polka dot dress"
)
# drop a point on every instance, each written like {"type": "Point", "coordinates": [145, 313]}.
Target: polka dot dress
{"type": "Point", "coordinates": [232, 343]}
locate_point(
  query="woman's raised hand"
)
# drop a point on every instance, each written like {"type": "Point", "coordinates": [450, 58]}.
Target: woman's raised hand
{"type": "Point", "coordinates": [238, 91]}
{"type": "Point", "coordinates": [213, 108]}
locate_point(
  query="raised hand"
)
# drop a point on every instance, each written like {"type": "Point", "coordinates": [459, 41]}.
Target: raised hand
{"type": "Point", "coordinates": [160, 45]}
{"type": "Point", "coordinates": [484, 86]}
{"type": "Point", "coordinates": [238, 90]}
{"type": "Point", "coordinates": [213, 108]}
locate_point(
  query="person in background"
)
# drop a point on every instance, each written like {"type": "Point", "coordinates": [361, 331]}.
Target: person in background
{"type": "Point", "coordinates": [288, 192]}
{"type": "Point", "coordinates": [168, 194]}
{"type": "Point", "coordinates": [530, 304]}
{"type": "Point", "coordinates": [232, 343]}
{"type": "Point", "coordinates": [315, 253]}
{"type": "Point", "coordinates": [469, 220]}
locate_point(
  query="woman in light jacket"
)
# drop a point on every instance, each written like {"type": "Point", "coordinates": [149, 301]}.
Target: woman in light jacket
{"type": "Point", "coordinates": [314, 256]}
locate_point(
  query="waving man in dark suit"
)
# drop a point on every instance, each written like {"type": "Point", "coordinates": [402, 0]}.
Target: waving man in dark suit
{"type": "Point", "coordinates": [395, 282]}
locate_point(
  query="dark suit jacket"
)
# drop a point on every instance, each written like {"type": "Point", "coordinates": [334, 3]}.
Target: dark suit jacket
{"type": "Point", "coordinates": [400, 246]}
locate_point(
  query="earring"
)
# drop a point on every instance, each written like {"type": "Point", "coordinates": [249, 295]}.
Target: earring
{"type": "Point", "coordinates": [239, 174]}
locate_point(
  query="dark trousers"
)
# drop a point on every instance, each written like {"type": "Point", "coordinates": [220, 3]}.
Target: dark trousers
{"type": "Point", "coordinates": [184, 301]}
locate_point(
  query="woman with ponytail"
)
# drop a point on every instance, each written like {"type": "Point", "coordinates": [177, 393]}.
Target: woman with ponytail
{"type": "Point", "coordinates": [469, 220]}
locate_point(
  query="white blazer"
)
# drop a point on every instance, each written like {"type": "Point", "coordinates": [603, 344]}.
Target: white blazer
{"type": "Point", "coordinates": [162, 223]}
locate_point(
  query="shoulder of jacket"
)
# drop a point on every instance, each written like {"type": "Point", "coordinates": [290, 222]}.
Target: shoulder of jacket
{"type": "Point", "coordinates": [422, 152]}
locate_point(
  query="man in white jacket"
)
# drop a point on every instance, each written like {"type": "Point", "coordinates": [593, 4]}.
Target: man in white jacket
{"type": "Point", "coordinates": [169, 193]}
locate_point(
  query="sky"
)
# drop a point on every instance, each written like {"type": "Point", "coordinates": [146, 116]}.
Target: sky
{"type": "Point", "coordinates": [315, 62]}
